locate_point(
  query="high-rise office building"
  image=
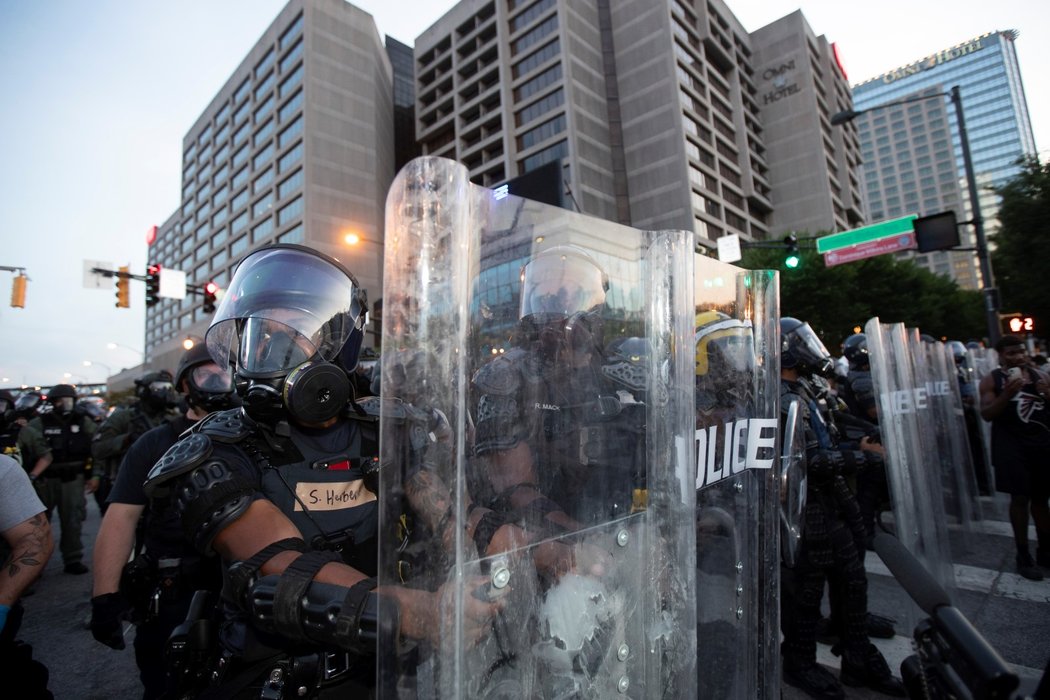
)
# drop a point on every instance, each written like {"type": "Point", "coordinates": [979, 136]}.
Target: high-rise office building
{"type": "Point", "coordinates": [297, 147]}
{"type": "Point", "coordinates": [654, 109]}
{"type": "Point", "coordinates": [813, 166]}
{"type": "Point", "coordinates": [912, 160]}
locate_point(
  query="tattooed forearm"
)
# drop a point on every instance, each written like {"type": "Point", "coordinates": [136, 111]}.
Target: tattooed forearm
{"type": "Point", "coordinates": [429, 497]}
{"type": "Point", "coordinates": [29, 549]}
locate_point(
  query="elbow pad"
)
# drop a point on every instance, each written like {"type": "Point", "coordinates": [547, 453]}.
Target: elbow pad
{"type": "Point", "coordinates": [307, 611]}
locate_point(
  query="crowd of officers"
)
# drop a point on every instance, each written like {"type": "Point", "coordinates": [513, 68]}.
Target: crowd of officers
{"type": "Point", "coordinates": [202, 484]}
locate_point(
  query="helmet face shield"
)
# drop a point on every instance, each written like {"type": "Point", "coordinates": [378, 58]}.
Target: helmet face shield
{"type": "Point", "coordinates": [283, 307]}
{"type": "Point", "coordinates": [809, 350]}
{"type": "Point", "coordinates": [556, 285]}
{"type": "Point", "coordinates": [211, 378]}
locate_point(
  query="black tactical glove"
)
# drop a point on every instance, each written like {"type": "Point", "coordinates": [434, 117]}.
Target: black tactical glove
{"type": "Point", "coordinates": [108, 613]}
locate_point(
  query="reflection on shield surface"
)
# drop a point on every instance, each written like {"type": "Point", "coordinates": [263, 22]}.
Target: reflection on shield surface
{"type": "Point", "coordinates": [537, 472]}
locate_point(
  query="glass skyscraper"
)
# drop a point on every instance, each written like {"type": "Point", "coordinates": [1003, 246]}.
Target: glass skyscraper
{"type": "Point", "coordinates": [912, 160]}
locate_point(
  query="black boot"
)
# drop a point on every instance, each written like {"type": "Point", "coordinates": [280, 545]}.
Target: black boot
{"type": "Point", "coordinates": [1027, 568]}
{"type": "Point", "coordinates": [813, 679]}
{"type": "Point", "coordinates": [867, 667]}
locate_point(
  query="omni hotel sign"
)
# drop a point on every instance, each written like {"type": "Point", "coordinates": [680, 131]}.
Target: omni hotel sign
{"type": "Point", "coordinates": [939, 58]}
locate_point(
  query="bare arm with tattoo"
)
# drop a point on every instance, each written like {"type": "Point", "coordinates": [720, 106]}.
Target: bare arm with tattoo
{"type": "Point", "coordinates": [31, 547]}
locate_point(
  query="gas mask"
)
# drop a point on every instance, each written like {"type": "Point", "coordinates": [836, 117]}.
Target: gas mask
{"type": "Point", "coordinates": [291, 326]}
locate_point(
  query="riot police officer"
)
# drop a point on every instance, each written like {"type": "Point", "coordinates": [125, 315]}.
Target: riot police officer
{"type": "Point", "coordinates": [68, 432]}
{"type": "Point", "coordinates": [9, 428]}
{"type": "Point", "coordinates": [549, 413]}
{"type": "Point", "coordinates": [156, 397]}
{"type": "Point", "coordinates": [156, 587]}
{"type": "Point", "coordinates": [282, 490]}
{"type": "Point", "coordinates": [830, 536]}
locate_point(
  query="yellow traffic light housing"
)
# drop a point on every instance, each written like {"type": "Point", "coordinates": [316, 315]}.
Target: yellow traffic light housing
{"type": "Point", "coordinates": [123, 291]}
{"type": "Point", "coordinates": [18, 291]}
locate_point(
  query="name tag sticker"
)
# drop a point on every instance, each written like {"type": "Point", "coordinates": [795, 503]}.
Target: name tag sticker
{"type": "Point", "coordinates": [332, 496]}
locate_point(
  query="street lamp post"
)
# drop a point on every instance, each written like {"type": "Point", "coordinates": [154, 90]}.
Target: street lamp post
{"type": "Point", "coordinates": [991, 294]}
{"type": "Point", "coordinates": [92, 363]}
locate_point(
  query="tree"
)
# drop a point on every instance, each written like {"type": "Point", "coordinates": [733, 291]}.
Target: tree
{"type": "Point", "coordinates": [834, 300]}
{"type": "Point", "coordinates": [1023, 242]}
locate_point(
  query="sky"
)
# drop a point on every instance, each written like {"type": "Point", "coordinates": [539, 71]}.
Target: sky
{"type": "Point", "coordinates": [98, 94]}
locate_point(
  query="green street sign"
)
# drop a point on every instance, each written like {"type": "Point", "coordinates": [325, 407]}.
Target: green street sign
{"type": "Point", "coordinates": [837, 241]}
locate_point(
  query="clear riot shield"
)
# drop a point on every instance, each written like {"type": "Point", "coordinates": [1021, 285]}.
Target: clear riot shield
{"type": "Point", "coordinates": [979, 363]}
{"type": "Point", "coordinates": [912, 467]}
{"type": "Point", "coordinates": [792, 482]}
{"type": "Point", "coordinates": [737, 499]}
{"type": "Point", "coordinates": [536, 465]}
{"type": "Point", "coordinates": [961, 504]}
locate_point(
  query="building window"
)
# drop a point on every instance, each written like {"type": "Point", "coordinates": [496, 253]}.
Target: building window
{"type": "Point", "coordinates": [265, 63]}
{"type": "Point", "coordinates": [262, 230]}
{"type": "Point", "coordinates": [541, 81]}
{"type": "Point", "coordinates": [241, 112]}
{"type": "Point", "coordinates": [242, 92]}
{"type": "Point", "coordinates": [239, 178]}
{"type": "Point", "coordinates": [291, 57]}
{"type": "Point", "coordinates": [263, 109]}
{"type": "Point", "coordinates": [263, 180]}
{"type": "Point", "coordinates": [290, 82]}
{"type": "Point", "coordinates": [290, 184]}
{"type": "Point", "coordinates": [525, 65]}
{"type": "Point", "coordinates": [294, 155]}
{"type": "Point", "coordinates": [237, 225]}
{"type": "Point", "coordinates": [240, 156]}
{"type": "Point", "coordinates": [262, 156]}
{"type": "Point", "coordinates": [290, 132]}
{"type": "Point", "coordinates": [535, 35]}
{"type": "Point", "coordinates": [551, 153]}
{"type": "Point", "coordinates": [541, 133]}
{"type": "Point", "coordinates": [239, 200]}
{"type": "Point", "coordinates": [262, 205]}
{"type": "Point", "coordinates": [289, 34]}
{"type": "Point", "coordinates": [264, 86]}
{"type": "Point", "coordinates": [239, 246]}
{"type": "Point", "coordinates": [264, 132]}
{"type": "Point", "coordinates": [540, 107]}
{"type": "Point", "coordinates": [292, 235]}
{"type": "Point", "coordinates": [291, 106]}
{"type": "Point", "coordinates": [290, 211]}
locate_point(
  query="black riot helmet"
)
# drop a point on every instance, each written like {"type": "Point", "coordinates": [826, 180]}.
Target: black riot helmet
{"type": "Point", "coordinates": [156, 391]}
{"type": "Point", "coordinates": [958, 351]}
{"type": "Point", "coordinates": [290, 325]}
{"type": "Point", "coordinates": [7, 402]}
{"type": "Point", "coordinates": [208, 387]}
{"type": "Point", "coordinates": [63, 397]}
{"type": "Point", "coordinates": [801, 349]}
{"type": "Point", "coordinates": [27, 405]}
{"type": "Point", "coordinates": [855, 350]}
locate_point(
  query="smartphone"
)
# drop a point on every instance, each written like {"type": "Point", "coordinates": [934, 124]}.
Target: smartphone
{"type": "Point", "coordinates": [1014, 372]}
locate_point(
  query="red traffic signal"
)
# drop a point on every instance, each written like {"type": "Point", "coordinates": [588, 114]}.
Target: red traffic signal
{"type": "Point", "coordinates": [210, 290]}
{"type": "Point", "coordinates": [152, 285]}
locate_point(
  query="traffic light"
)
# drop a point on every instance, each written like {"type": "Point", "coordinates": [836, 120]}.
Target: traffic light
{"type": "Point", "coordinates": [152, 285]}
{"type": "Point", "coordinates": [123, 288]}
{"type": "Point", "coordinates": [792, 258]}
{"type": "Point", "coordinates": [209, 297]}
{"type": "Point", "coordinates": [1006, 322]}
{"type": "Point", "coordinates": [18, 291]}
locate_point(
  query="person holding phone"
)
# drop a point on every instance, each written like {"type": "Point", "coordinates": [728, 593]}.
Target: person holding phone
{"type": "Point", "coordinates": [1014, 399]}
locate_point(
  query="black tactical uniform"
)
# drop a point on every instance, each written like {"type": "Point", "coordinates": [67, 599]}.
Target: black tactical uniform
{"type": "Point", "coordinates": [291, 326]}
{"type": "Point", "coordinates": [157, 586]}
{"type": "Point", "coordinates": [830, 535]}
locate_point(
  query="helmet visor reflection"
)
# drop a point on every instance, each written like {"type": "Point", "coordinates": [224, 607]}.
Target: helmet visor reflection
{"type": "Point", "coordinates": [810, 348]}
{"type": "Point", "coordinates": [725, 345]}
{"type": "Point", "coordinates": [211, 378]}
{"type": "Point", "coordinates": [312, 307]}
{"type": "Point", "coordinates": [560, 286]}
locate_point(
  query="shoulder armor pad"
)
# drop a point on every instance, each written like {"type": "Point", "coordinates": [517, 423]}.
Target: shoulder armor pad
{"type": "Point", "coordinates": [500, 377]}
{"type": "Point", "coordinates": [227, 426]}
{"type": "Point", "coordinates": [381, 407]}
{"type": "Point", "coordinates": [628, 374]}
{"type": "Point", "coordinates": [182, 457]}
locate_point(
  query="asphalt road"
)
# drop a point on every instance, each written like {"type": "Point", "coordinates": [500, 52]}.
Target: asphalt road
{"type": "Point", "coordinates": [1011, 612]}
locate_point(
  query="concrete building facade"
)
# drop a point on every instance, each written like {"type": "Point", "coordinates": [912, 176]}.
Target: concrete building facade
{"type": "Point", "coordinates": [653, 108]}
{"type": "Point", "coordinates": [297, 147]}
